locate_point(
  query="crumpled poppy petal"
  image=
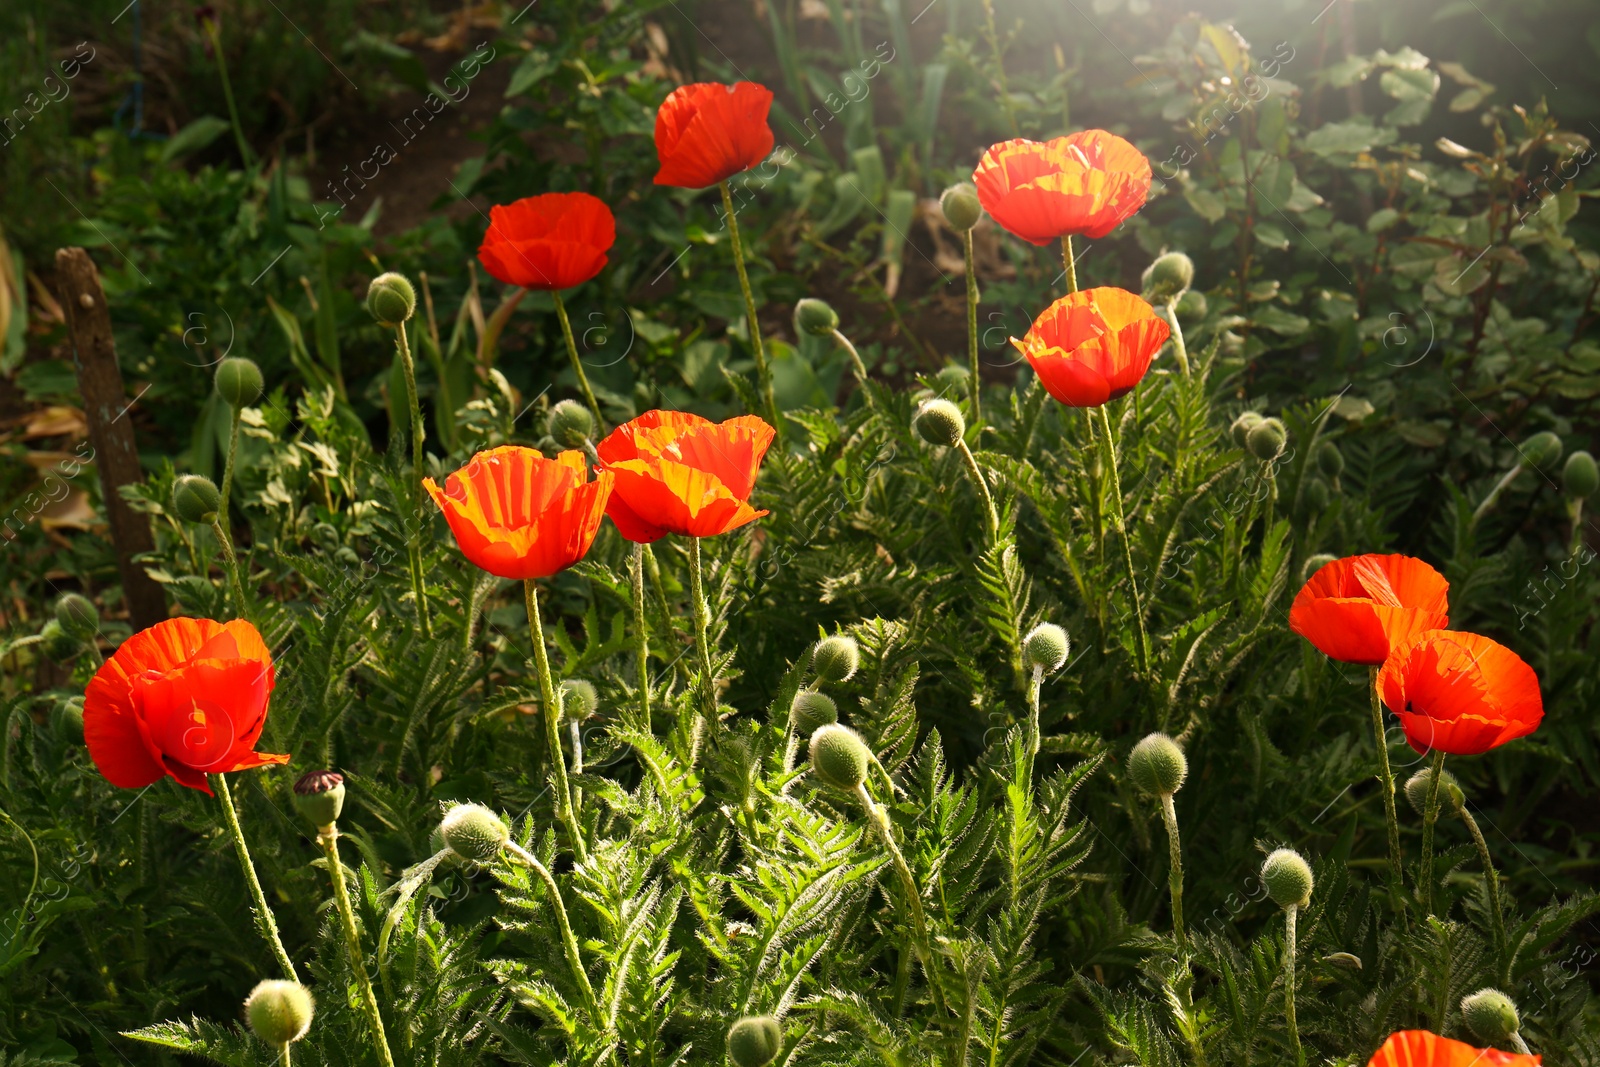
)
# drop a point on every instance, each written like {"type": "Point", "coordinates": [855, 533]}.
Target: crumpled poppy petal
{"type": "Point", "coordinates": [1336, 609]}
{"type": "Point", "coordinates": [708, 132]}
{"type": "Point", "coordinates": [551, 241]}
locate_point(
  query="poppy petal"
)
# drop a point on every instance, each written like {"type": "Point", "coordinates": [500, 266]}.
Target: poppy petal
{"type": "Point", "coordinates": [1419, 1048]}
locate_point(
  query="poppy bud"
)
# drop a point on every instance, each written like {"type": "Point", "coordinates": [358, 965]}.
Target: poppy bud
{"type": "Point", "coordinates": [58, 644]}
{"type": "Point", "coordinates": [1266, 440]}
{"type": "Point", "coordinates": [755, 1041]}
{"type": "Point", "coordinates": [1315, 564]}
{"type": "Point", "coordinates": [238, 382]}
{"type": "Point", "coordinates": [1315, 498]}
{"type": "Point", "coordinates": [195, 498]}
{"type": "Point", "coordinates": [1418, 785]}
{"type": "Point", "coordinates": [1579, 478]}
{"type": "Point", "coordinates": [1288, 878]}
{"type": "Point", "coordinates": [811, 711]}
{"type": "Point", "coordinates": [570, 424]}
{"type": "Point", "coordinates": [1243, 425]}
{"type": "Point", "coordinates": [319, 796]}
{"type": "Point", "coordinates": [1490, 1015]}
{"type": "Point", "coordinates": [473, 832]}
{"type": "Point", "coordinates": [391, 299]}
{"type": "Point", "coordinates": [815, 317]}
{"type": "Point", "coordinates": [940, 423]}
{"type": "Point", "coordinates": [579, 700]}
{"type": "Point", "coordinates": [1046, 647]}
{"type": "Point", "coordinates": [960, 206]}
{"type": "Point", "coordinates": [69, 720]}
{"type": "Point", "coordinates": [1157, 765]}
{"type": "Point", "coordinates": [78, 617]}
{"type": "Point", "coordinates": [1330, 461]}
{"type": "Point", "coordinates": [839, 756]}
{"type": "Point", "coordinates": [835, 659]}
{"type": "Point", "coordinates": [1167, 278]}
{"type": "Point", "coordinates": [1541, 452]}
{"type": "Point", "coordinates": [954, 376]}
{"type": "Point", "coordinates": [1192, 306]}
{"type": "Point", "coordinates": [278, 1012]}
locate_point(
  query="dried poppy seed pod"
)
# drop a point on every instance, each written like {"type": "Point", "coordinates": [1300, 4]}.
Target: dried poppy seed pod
{"type": "Point", "coordinates": [811, 711]}
{"type": "Point", "coordinates": [835, 659]}
{"type": "Point", "coordinates": [78, 617]}
{"type": "Point", "coordinates": [570, 424]}
{"type": "Point", "coordinates": [279, 1012]}
{"type": "Point", "coordinates": [1157, 765]}
{"type": "Point", "coordinates": [1240, 430]}
{"type": "Point", "coordinates": [1541, 452]}
{"type": "Point", "coordinates": [815, 317]}
{"type": "Point", "coordinates": [1580, 478]}
{"type": "Point", "coordinates": [1288, 878]}
{"type": "Point", "coordinates": [1168, 278]}
{"type": "Point", "coordinates": [473, 832]}
{"type": "Point", "coordinates": [755, 1041]}
{"type": "Point", "coordinates": [1266, 439]}
{"type": "Point", "coordinates": [196, 499]}
{"type": "Point", "coordinates": [1490, 1015]}
{"type": "Point", "coordinates": [839, 756]}
{"type": "Point", "coordinates": [239, 382]}
{"type": "Point", "coordinates": [1046, 647]}
{"type": "Point", "coordinates": [940, 422]}
{"type": "Point", "coordinates": [391, 299]}
{"type": "Point", "coordinates": [1419, 784]}
{"type": "Point", "coordinates": [1315, 564]}
{"type": "Point", "coordinates": [961, 207]}
{"type": "Point", "coordinates": [319, 796]}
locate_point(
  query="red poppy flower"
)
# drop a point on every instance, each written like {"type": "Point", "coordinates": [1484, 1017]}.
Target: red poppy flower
{"type": "Point", "coordinates": [1460, 693]}
{"type": "Point", "coordinates": [679, 473]}
{"type": "Point", "coordinates": [1093, 345]}
{"type": "Point", "coordinates": [549, 241]}
{"type": "Point", "coordinates": [708, 132]}
{"type": "Point", "coordinates": [185, 698]}
{"type": "Point", "coordinates": [1419, 1048]}
{"type": "Point", "coordinates": [1359, 608]}
{"type": "Point", "coordinates": [517, 514]}
{"type": "Point", "coordinates": [1085, 183]}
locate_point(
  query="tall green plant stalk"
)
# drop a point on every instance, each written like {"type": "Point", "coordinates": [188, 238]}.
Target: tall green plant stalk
{"type": "Point", "coordinates": [577, 364]}
{"type": "Point", "coordinates": [414, 536]}
{"type": "Point", "coordinates": [922, 946]}
{"type": "Point", "coordinates": [856, 365]}
{"type": "Point", "coordinates": [552, 721]}
{"type": "Point", "coordinates": [1492, 883]}
{"type": "Point", "coordinates": [702, 644]}
{"type": "Point", "coordinates": [227, 466]}
{"type": "Point", "coordinates": [1122, 532]}
{"type": "Point", "coordinates": [975, 384]}
{"type": "Point", "coordinates": [763, 371]}
{"type": "Point", "coordinates": [1069, 260]}
{"type": "Point", "coordinates": [1169, 815]}
{"type": "Point", "coordinates": [1179, 347]}
{"type": "Point", "coordinates": [214, 32]}
{"type": "Point", "coordinates": [328, 838]}
{"type": "Point", "coordinates": [569, 944]}
{"type": "Point", "coordinates": [990, 513]}
{"type": "Point", "coordinates": [1430, 816]}
{"type": "Point", "coordinates": [230, 563]}
{"type": "Point", "coordinates": [1386, 782]}
{"type": "Point", "coordinates": [266, 922]}
{"type": "Point", "coordinates": [1000, 68]}
{"type": "Point", "coordinates": [641, 636]}
{"type": "Point", "coordinates": [1033, 739]}
{"type": "Point", "coordinates": [1290, 918]}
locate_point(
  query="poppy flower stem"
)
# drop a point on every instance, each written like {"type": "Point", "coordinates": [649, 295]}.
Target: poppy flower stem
{"type": "Point", "coordinates": [641, 626]}
{"type": "Point", "coordinates": [552, 720]}
{"type": "Point", "coordinates": [1000, 68]}
{"type": "Point", "coordinates": [231, 564]}
{"type": "Point", "coordinates": [702, 643]}
{"type": "Point", "coordinates": [283, 1054]}
{"type": "Point", "coordinates": [328, 838]}
{"type": "Point", "coordinates": [879, 817]}
{"type": "Point", "coordinates": [227, 467]}
{"type": "Point", "coordinates": [1290, 916]}
{"type": "Point", "coordinates": [1179, 348]}
{"type": "Point", "coordinates": [1069, 260]}
{"type": "Point", "coordinates": [577, 364]}
{"type": "Point", "coordinates": [569, 943]}
{"type": "Point", "coordinates": [1122, 530]}
{"type": "Point", "coordinates": [489, 342]}
{"type": "Point", "coordinates": [974, 384]}
{"type": "Point", "coordinates": [1386, 779]}
{"type": "Point", "coordinates": [266, 923]}
{"type": "Point", "coordinates": [856, 365]}
{"type": "Point", "coordinates": [983, 487]}
{"type": "Point", "coordinates": [1033, 718]}
{"type": "Point", "coordinates": [413, 539]}
{"type": "Point", "coordinates": [1488, 502]}
{"type": "Point", "coordinates": [763, 372]}
{"type": "Point", "coordinates": [1430, 815]}
{"type": "Point", "coordinates": [1491, 880]}
{"type": "Point", "coordinates": [1169, 815]}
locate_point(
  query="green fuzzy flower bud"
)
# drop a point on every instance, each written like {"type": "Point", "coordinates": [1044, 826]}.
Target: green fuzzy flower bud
{"type": "Point", "coordinates": [473, 832]}
{"type": "Point", "coordinates": [1168, 277]}
{"type": "Point", "coordinates": [1157, 765]}
{"type": "Point", "coordinates": [279, 1012]}
{"type": "Point", "coordinates": [1541, 452]}
{"type": "Point", "coordinates": [570, 424]}
{"type": "Point", "coordinates": [815, 317]}
{"type": "Point", "coordinates": [1330, 461]}
{"type": "Point", "coordinates": [1288, 878]}
{"type": "Point", "coordinates": [1580, 478]}
{"type": "Point", "coordinates": [940, 423]}
{"type": "Point", "coordinates": [238, 382]}
{"type": "Point", "coordinates": [954, 376]}
{"type": "Point", "coordinates": [755, 1041]}
{"type": "Point", "coordinates": [1490, 1015]}
{"type": "Point", "coordinates": [1315, 498]}
{"type": "Point", "coordinates": [391, 299]}
{"type": "Point", "coordinates": [810, 711]}
{"type": "Point", "coordinates": [196, 499]}
{"type": "Point", "coordinates": [1046, 647]}
{"type": "Point", "coordinates": [839, 756]}
{"type": "Point", "coordinates": [1192, 307]}
{"type": "Point", "coordinates": [58, 644]}
{"type": "Point", "coordinates": [69, 720]}
{"type": "Point", "coordinates": [1315, 564]}
{"type": "Point", "coordinates": [579, 699]}
{"type": "Point", "coordinates": [319, 796]}
{"type": "Point", "coordinates": [961, 207]}
{"type": "Point", "coordinates": [1240, 430]}
{"type": "Point", "coordinates": [835, 659]}
{"type": "Point", "coordinates": [78, 617]}
{"type": "Point", "coordinates": [1266, 440]}
{"type": "Point", "coordinates": [1418, 785]}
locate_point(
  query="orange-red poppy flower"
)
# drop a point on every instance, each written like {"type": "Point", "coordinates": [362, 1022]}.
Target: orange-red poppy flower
{"type": "Point", "coordinates": [549, 241]}
{"type": "Point", "coordinates": [708, 132]}
{"type": "Point", "coordinates": [517, 514]}
{"type": "Point", "coordinates": [1093, 345]}
{"type": "Point", "coordinates": [185, 698]}
{"type": "Point", "coordinates": [1460, 693]}
{"type": "Point", "coordinates": [1085, 183]}
{"type": "Point", "coordinates": [1419, 1048]}
{"type": "Point", "coordinates": [1360, 608]}
{"type": "Point", "coordinates": [679, 473]}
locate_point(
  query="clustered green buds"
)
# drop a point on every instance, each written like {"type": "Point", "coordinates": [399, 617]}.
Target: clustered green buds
{"type": "Point", "coordinates": [570, 424]}
{"type": "Point", "coordinates": [279, 1012]}
{"type": "Point", "coordinates": [755, 1041]}
{"type": "Point", "coordinates": [840, 757]}
{"type": "Point", "coordinates": [1541, 452]}
{"type": "Point", "coordinates": [1240, 430]}
{"type": "Point", "coordinates": [810, 711]}
{"type": "Point", "coordinates": [1046, 648]}
{"type": "Point", "coordinates": [1420, 784]}
{"type": "Point", "coordinates": [196, 499]}
{"type": "Point", "coordinates": [1580, 478]}
{"type": "Point", "coordinates": [815, 317]}
{"type": "Point", "coordinates": [473, 832]}
{"type": "Point", "coordinates": [391, 299]}
{"type": "Point", "coordinates": [1266, 439]}
{"type": "Point", "coordinates": [1490, 1015]}
{"type": "Point", "coordinates": [1315, 564]}
{"type": "Point", "coordinates": [940, 423]}
{"type": "Point", "coordinates": [960, 206]}
{"type": "Point", "coordinates": [78, 617]}
{"type": "Point", "coordinates": [835, 659]}
{"type": "Point", "coordinates": [1157, 765]}
{"type": "Point", "coordinates": [319, 796]}
{"type": "Point", "coordinates": [1168, 278]}
{"type": "Point", "coordinates": [1288, 878]}
{"type": "Point", "coordinates": [579, 699]}
{"type": "Point", "coordinates": [239, 382]}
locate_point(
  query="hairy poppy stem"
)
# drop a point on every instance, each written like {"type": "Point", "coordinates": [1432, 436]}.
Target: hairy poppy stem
{"type": "Point", "coordinates": [1179, 347]}
{"type": "Point", "coordinates": [1430, 816]}
{"type": "Point", "coordinates": [552, 721]}
{"type": "Point", "coordinates": [577, 364]}
{"type": "Point", "coordinates": [569, 944]}
{"type": "Point", "coordinates": [227, 467]}
{"type": "Point", "coordinates": [328, 838]}
{"type": "Point", "coordinates": [413, 537]}
{"type": "Point", "coordinates": [1492, 883]}
{"type": "Point", "coordinates": [856, 365]}
{"type": "Point", "coordinates": [1069, 260]}
{"type": "Point", "coordinates": [1169, 815]}
{"type": "Point", "coordinates": [763, 372]}
{"type": "Point", "coordinates": [266, 923]}
{"type": "Point", "coordinates": [1488, 502]}
{"type": "Point", "coordinates": [975, 384]}
{"type": "Point", "coordinates": [923, 947]}
{"type": "Point", "coordinates": [641, 626]}
{"type": "Point", "coordinates": [1127, 547]}
{"type": "Point", "coordinates": [231, 565]}
{"type": "Point", "coordinates": [702, 643]}
{"type": "Point", "coordinates": [983, 487]}
{"type": "Point", "coordinates": [283, 1054]}
{"type": "Point", "coordinates": [1386, 779]}
{"type": "Point", "coordinates": [1290, 915]}
{"type": "Point", "coordinates": [1033, 718]}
